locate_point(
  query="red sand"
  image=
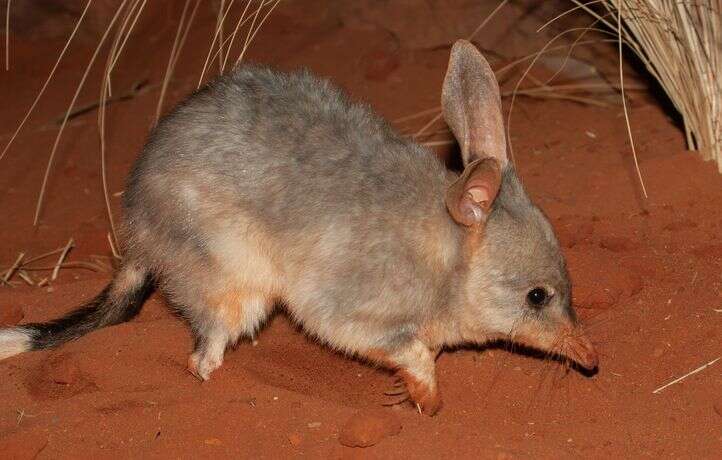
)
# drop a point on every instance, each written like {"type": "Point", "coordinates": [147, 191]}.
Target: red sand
{"type": "Point", "coordinates": [646, 272]}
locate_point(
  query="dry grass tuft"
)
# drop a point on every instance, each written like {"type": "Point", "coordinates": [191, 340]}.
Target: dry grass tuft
{"type": "Point", "coordinates": [680, 43]}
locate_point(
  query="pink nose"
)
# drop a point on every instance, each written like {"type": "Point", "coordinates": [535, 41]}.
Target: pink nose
{"type": "Point", "coordinates": [580, 349]}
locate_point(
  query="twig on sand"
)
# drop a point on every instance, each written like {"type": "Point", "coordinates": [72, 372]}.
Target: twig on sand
{"type": "Point", "coordinates": [679, 379]}
{"type": "Point", "coordinates": [42, 256]}
{"type": "Point", "coordinates": [26, 277]}
{"type": "Point", "coordinates": [24, 267]}
{"type": "Point", "coordinates": [63, 254]}
{"type": "Point", "coordinates": [21, 415]}
{"type": "Point", "coordinates": [137, 89]}
{"type": "Point", "coordinates": [11, 270]}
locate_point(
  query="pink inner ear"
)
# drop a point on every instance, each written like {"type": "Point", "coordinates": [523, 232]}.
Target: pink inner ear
{"type": "Point", "coordinates": [480, 195]}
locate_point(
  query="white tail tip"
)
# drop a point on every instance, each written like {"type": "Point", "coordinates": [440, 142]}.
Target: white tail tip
{"type": "Point", "coordinates": [14, 341]}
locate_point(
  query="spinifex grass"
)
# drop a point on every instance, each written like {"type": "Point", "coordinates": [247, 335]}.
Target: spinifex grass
{"type": "Point", "coordinates": [680, 43]}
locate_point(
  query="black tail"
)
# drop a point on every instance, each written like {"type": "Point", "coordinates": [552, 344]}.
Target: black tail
{"type": "Point", "coordinates": [120, 301]}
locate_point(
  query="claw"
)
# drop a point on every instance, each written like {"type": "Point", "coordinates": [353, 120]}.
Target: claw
{"type": "Point", "coordinates": [396, 401]}
{"type": "Point", "coordinates": [195, 374]}
{"type": "Point", "coordinates": [192, 368]}
{"type": "Point", "coordinates": [395, 391]}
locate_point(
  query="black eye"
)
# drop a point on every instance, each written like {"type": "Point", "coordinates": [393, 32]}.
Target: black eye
{"type": "Point", "coordinates": [537, 297]}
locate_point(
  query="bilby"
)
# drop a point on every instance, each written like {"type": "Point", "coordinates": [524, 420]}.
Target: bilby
{"type": "Point", "coordinates": [266, 189]}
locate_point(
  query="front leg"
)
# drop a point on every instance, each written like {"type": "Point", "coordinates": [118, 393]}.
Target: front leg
{"type": "Point", "coordinates": [415, 365]}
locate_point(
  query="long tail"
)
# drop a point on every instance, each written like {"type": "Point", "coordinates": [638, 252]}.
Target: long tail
{"type": "Point", "coordinates": [120, 301]}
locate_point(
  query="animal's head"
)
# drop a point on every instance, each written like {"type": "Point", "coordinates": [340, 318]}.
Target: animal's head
{"type": "Point", "coordinates": [516, 284]}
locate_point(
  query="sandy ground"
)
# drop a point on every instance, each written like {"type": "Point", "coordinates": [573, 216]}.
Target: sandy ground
{"type": "Point", "coordinates": [646, 271]}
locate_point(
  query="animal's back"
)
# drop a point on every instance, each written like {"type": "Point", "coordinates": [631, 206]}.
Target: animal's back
{"type": "Point", "coordinates": [290, 148]}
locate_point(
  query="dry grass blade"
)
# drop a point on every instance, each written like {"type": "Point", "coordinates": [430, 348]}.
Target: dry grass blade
{"type": "Point", "coordinates": [23, 275]}
{"type": "Point", "coordinates": [171, 59]}
{"type": "Point", "coordinates": [252, 32]}
{"type": "Point", "coordinates": [416, 115]}
{"type": "Point", "coordinates": [242, 20]}
{"type": "Point", "coordinates": [121, 38]}
{"type": "Point", "coordinates": [502, 70]}
{"type": "Point", "coordinates": [13, 268]}
{"type": "Point", "coordinates": [178, 43]}
{"type": "Point", "coordinates": [7, 36]}
{"type": "Point", "coordinates": [624, 104]}
{"type": "Point", "coordinates": [220, 22]}
{"type": "Point", "coordinates": [486, 21]}
{"type": "Point", "coordinates": [119, 49]}
{"type": "Point", "coordinates": [102, 261]}
{"type": "Point", "coordinates": [62, 257]}
{"type": "Point", "coordinates": [592, 27]}
{"type": "Point", "coordinates": [679, 379]}
{"type": "Point", "coordinates": [47, 81]}
{"type": "Point", "coordinates": [43, 256]}
{"type": "Point", "coordinates": [545, 93]}
{"type": "Point", "coordinates": [428, 125]}
{"type": "Point", "coordinates": [114, 248]}
{"type": "Point", "coordinates": [92, 266]}
{"type": "Point", "coordinates": [218, 35]}
{"type": "Point", "coordinates": [564, 13]}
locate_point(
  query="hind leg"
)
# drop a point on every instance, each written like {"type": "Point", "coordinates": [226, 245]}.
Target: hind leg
{"type": "Point", "coordinates": [221, 324]}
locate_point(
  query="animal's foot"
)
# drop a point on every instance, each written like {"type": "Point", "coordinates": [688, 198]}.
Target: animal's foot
{"type": "Point", "coordinates": [201, 365]}
{"type": "Point", "coordinates": [425, 397]}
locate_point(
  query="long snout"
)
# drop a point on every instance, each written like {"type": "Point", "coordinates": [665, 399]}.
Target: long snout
{"type": "Point", "coordinates": [577, 347]}
{"type": "Point", "coordinates": [567, 340]}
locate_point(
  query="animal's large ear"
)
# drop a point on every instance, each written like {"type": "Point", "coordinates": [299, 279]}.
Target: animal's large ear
{"type": "Point", "coordinates": [472, 105]}
{"type": "Point", "coordinates": [470, 197]}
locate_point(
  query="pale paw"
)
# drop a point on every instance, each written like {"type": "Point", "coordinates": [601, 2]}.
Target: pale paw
{"type": "Point", "coordinates": [424, 395]}
{"type": "Point", "coordinates": [202, 365]}
{"type": "Point", "coordinates": [407, 388]}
